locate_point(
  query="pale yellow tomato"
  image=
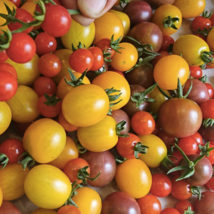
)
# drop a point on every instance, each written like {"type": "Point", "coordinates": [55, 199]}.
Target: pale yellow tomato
{"type": "Point", "coordinates": [5, 117]}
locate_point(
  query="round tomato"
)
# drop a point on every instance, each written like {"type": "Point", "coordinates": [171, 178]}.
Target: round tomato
{"type": "Point", "coordinates": [167, 78]}
{"type": "Point", "coordinates": [47, 186]}
{"type": "Point", "coordinates": [43, 211]}
{"type": "Point", "coordinates": [12, 181]}
{"type": "Point", "coordinates": [210, 39]}
{"type": "Point", "coordinates": [139, 178]}
{"type": "Point", "coordinates": [8, 68]}
{"type": "Point", "coordinates": [5, 117]}
{"type": "Point", "coordinates": [23, 105]}
{"type": "Point", "coordinates": [65, 124]}
{"type": "Point", "coordinates": [156, 151]}
{"type": "Point", "coordinates": [85, 105]}
{"type": "Point", "coordinates": [67, 209]}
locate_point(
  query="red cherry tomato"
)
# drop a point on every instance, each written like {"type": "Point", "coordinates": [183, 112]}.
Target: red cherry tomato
{"type": "Point", "coordinates": [170, 211]}
{"type": "Point", "coordinates": [98, 58]}
{"type": "Point", "coordinates": [195, 71]}
{"type": "Point", "coordinates": [210, 184]}
{"type": "Point", "coordinates": [167, 44]}
{"type": "Point", "coordinates": [207, 109]}
{"type": "Point", "coordinates": [5, 67]}
{"type": "Point", "coordinates": [9, 208]}
{"type": "Point", "coordinates": [198, 138]}
{"type": "Point", "coordinates": [200, 23]}
{"type": "Point", "coordinates": [188, 145]}
{"type": "Point", "coordinates": [210, 90]}
{"type": "Point", "coordinates": [68, 209]}
{"type": "Point", "coordinates": [3, 56]}
{"type": "Point", "coordinates": [182, 206]}
{"type": "Point", "coordinates": [181, 190]}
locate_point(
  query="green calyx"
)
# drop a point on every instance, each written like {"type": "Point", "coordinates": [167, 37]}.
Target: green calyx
{"type": "Point", "coordinates": [207, 56]}
{"type": "Point", "coordinates": [51, 100]}
{"type": "Point", "coordinates": [3, 160]}
{"type": "Point", "coordinates": [79, 46]}
{"type": "Point", "coordinates": [115, 44]}
{"type": "Point", "coordinates": [170, 22]}
{"type": "Point", "coordinates": [5, 39]}
{"type": "Point", "coordinates": [139, 148]}
{"type": "Point", "coordinates": [120, 127]}
{"type": "Point", "coordinates": [196, 191]}
{"type": "Point", "coordinates": [123, 3]}
{"type": "Point", "coordinates": [205, 149]}
{"type": "Point", "coordinates": [189, 211]}
{"type": "Point", "coordinates": [208, 122]}
{"type": "Point", "coordinates": [27, 161]}
{"type": "Point", "coordinates": [206, 14]}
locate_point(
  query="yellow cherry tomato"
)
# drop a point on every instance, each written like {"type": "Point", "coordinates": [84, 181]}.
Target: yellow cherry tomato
{"type": "Point", "coordinates": [63, 87]}
{"type": "Point", "coordinates": [79, 34]}
{"type": "Point", "coordinates": [156, 151]}
{"type": "Point", "coordinates": [111, 79]}
{"type": "Point", "coordinates": [26, 72]}
{"type": "Point", "coordinates": [23, 105]}
{"type": "Point", "coordinates": [85, 105]}
{"type": "Point", "coordinates": [192, 48]}
{"type": "Point", "coordinates": [69, 152]}
{"type": "Point", "coordinates": [106, 26]}
{"type": "Point", "coordinates": [210, 39]}
{"type": "Point", "coordinates": [124, 18]}
{"type": "Point", "coordinates": [12, 181]}
{"type": "Point", "coordinates": [43, 211]}
{"type": "Point", "coordinates": [168, 17]}
{"type": "Point", "coordinates": [47, 186]}
{"type": "Point", "coordinates": [5, 117]}
{"type": "Point", "coordinates": [190, 8]}
{"type": "Point", "coordinates": [1, 196]}
{"type": "Point", "coordinates": [99, 137]}
{"type": "Point", "coordinates": [88, 201]}
{"type": "Point", "coordinates": [44, 140]}
{"type": "Point", "coordinates": [63, 55]}
{"type": "Point", "coordinates": [126, 58]}
{"type": "Point", "coordinates": [30, 6]}
{"type": "Point", "coordinates": [168, 69]}
{"type": "Point", "coordinates": [134, 177]}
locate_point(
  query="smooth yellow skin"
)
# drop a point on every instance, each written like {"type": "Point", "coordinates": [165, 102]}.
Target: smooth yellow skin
{"type": "Point", "coordinates": [210, 39]}
{"type": "Point", "coordinates": [106, 26]}
{"type": "Point", "coordinates": [1, 196]}
{"type": "Point", "coordinates": [124, 18]}
{"type": "Point", "coordinates": [12, 181]}
{"type": "Point", "coordinates": [85, 105]}
{"type": "Point", "coordinates": [190, 8]}
{"type": "Point", "coordinates": [23, 105]}
{"type": "Point", "coordinates": [126, 59]}
{"type": "Point", "coordinates": [26, 72]}
{"type": "Point", "coordinates": [156, 152]}
{"type": "Point", "coordinates": [43, 211]}
{"type": "Point", "coordinates": [99, 137]}
{"type": "Point", "coordinates": [63, 88]}
{"type": "Point", "coordinates": [134, 177]}
{"type": "Point", "coordinates": [44, 140]}
{"type": "Point", "coordinates": [5, 117]}
{"type": "Point", "coordinates": [30, 6]}
{"type": "Point", "coordinates": [47, 186]}
{"type": "Point", "coordinates": [79, 34]}
{"type": "Point", "coordinates": [111, 79]}
{"type": "Point", "coordinates": [69, 152]}
{"type": "Point", "coordinates": [190, 47]}
{"type": "Point", "coordinates": [88, 201]}
{"type": "Point", "coordinates": [163, 12]}
{"type": "Point", "coordinates": [168, 69]}
{"type": "Point", "coordinates": [63, 55]}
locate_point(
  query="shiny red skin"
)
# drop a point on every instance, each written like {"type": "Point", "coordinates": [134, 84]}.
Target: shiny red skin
{"type": "Point", "coordinates": [68, 209]}
{"type": "Point", "coordinates": [170, 211]}
{"type": "Point", "coordinates": [167, 44]}
{"type": "Point", "coordinates": [181, 190]}
{"type": "Point", "coordinates": [98, 58]}
{"type": "Point", "coordinates": [6, 67]}
{"type": "Point", "coordinates": [195, 71]}
{"type": "Point", "coordinates": [210, 90]}
{"type": "Point", "coordinates": [188, 145]}
{"type": "Point", "coordinates": [207, 109]}
{"type": "Point", "coordinates": [183, 205]}
{"type": "Point", "coordinates": [3, 56]}
{"type": "Point", "coordinates": [200, 23]}
{"type": "Point", "coordinates": [210, 184]}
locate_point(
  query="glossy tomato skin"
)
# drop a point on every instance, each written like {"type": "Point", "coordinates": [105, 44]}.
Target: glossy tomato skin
{"type": "Point", "coordinates": [181, 190]}
{"type": "Point", "coordinates": [5, 116]}
{"type": "Point", "coordinates": [195, 71]}
{"type": "Point", "coordinates": [8, 68]}
{"type": "Point", "coordinates": [50, 143]}
{"type": "Point", "coordinates": [188, 145]}
{"type": "Point", "coordinates": [43, 211]}
{"type": "Point", "coordinates": [67, 209]}
{"type": "Point", "coordinates": [65, 124]}
{"type": "Point", "coordinates": [183, 205]}
{"type": "Point", "coordinates": [210, 90]}
{"type": "Point", "coordinates": [9, 208]}
{"type": "Point", "coordinates": [47, 186]}
{"type": "Point", "coordinates": [120, 203]}
{"type": "Point", "coordinates": [139, 178]}
{"type": "Point", "coordinates": [170, 211]}
{"type": "Point", "coordinates": [187, 122]}
{"type": "Point", "coordinates": [3, 56]}
{"type": "Point", "coordinates": [98, 58]}
{"type": "Point", "coordinates": [207, 109]}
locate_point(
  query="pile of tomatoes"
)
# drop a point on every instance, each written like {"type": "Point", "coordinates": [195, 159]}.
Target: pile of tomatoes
{"type": "Point", "coordinates": [98, 99]}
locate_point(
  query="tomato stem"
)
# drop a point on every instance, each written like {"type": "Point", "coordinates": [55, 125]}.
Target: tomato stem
{"type": "Point", "coordinates": [169, 22]}
{"type": "Point", "coordinates": [208, 122]}
{"type": "Point", "coordinates": [139, 148]}
{"type": "Point", "coordinates": [5, 39]}
{"type": "Point", "coordinates": [51, 100]}
{"type": "Point", "coordinates": [27, 161]}
{"type": "Point", "coordinates": [3, 160]}
{"type": "Point", "coordinates": [120, 127]}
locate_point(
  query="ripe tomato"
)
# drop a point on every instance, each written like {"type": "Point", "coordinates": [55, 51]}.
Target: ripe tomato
{"type": "Point", "coordinates": [23, 105]}
{"type": "Point", "coordinates": [210, 90]}
{"type": "Point", "coordinates": [43, 211]}
{"type": "Point", "coordinates": [98, 58]}
{"type": "Point", "coordinates": [168, 17]}
{"type": "Point", "coordinates": [3, 56]}
{"type": "Point", "coordinates": [196, 71]}
{"type": "Point", "coordinates": [210, 184]}
{"type": "Point", "coordinates": [47, 186]}
{"type": "Point", "coordinates": [30, 6]}
{"type": "Point", "coordinates": [156, 151]}
{"type": "Point", "coordinates": [207, 109]}
{"type": "Point", "coordinates": [103, 131]}
{"type": "Point", "coordinates": [85, 105]}
{"type": "Point", "coordinates": [106, 26]}
{"type": "Point", "coordinates": [139, 185]}
{"type": "Point", "coordinates": [181, 190]}
{"type": "Point", "coordinates": [67, 209]}
{"type": "Point", "coordinates": [170, 211]}
{"type": "Point", "coordinates": [188, 145]}
{"type": "Point", "coordinates": [12, 181]}
{"type": "Point", "coordinates": [65, 124]}
{"type": "Point", "coordinates": [8, 208]}
{"type": "Point", "coordinates": [125, 58]}
{"type": "Point", "coordinates": [79, 34]}
{"type": "Point", "coordinates": [5, 117]}
{"type": "Point", "coordinates": [49, 144]}
{"type": "Point", "coordinates": [167, 79]}
{"type": "Point", "coordinates": [183, 205]}
{"type": "Point", "coordinates": [16, 2]}
{"type": "Point", "coordinates": [1, 197]}
{"type": "Point", "coordinates": [167, 44]}
{"type": "Point", "coordinates": [111, 79]}
{"type": "Point", "coordinates": [210, 38]}
{"type": "Point", "coordinates": [8, 68]}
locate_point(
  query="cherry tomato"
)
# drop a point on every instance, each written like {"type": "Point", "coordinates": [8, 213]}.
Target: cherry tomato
{"type": "Point", "coordinates": [98, 58]}
{"type": "Point", "coordinates": [9, 208]}
{"type": "Point", "coordinates": [188, 145]}
{"type": "Point", "coordinates": [67, 209]}
{"type": "Point", "coordinates": [167, 44]}
{"type": "Point", "coordinates": [198, 138]}
{"type": "Point", "coordinates": [207, 109]}
{"type": "Point", "coordinates": [210, 37]}
{"type": "Point", "coordinates": [196, 71]}
{"type": "Point", "coordinates": [8, 68]}
{"type": "Point", "coordinates": [170, 211]}
{"type": "Point", "coordinates": [65, 124]}
{"type": "Point", "coordinates": [181, 190]}
{"type": "Point", "coordinates": [5, 116]}
{"type": "Point", "coordinates": [16, 2]}
{"type": "Point", "coordinates": [182, 206]}
{"type": "Point", "coordinates": [43, 211]}
{"type": "Point", "coordinates": [210, 184]}
{"type": "Point", "coordinates": [210, 89]}
{"type": "Point", "coordinates": [3, 56]}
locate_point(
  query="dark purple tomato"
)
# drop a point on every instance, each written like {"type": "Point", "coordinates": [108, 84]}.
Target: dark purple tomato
{"type": "Point", "coordinates": [199, 92]}
{"type": "Point", "coordinates": [120, 115]}
{"type": "Point", "coordinates": [207, 133]}
{"type": "Point", "coordinates": [142, 75]}
{"type": "Point", "coordinates": [180, 117]}
{"type": "Point", "coordinates": [120, 203]}
{"type": "Point", "coordinates": [103, 163]}
{"type": "Point", "coordinates": [138, 11]}
{"type": "Point", "coordinates": [205, 205]}
{"type": "Point", "coordinates": [148, 33]}
{"type": "Point", "coordinates": [160, 2]}
{"type": "Point", "coordinates": [133, 106]}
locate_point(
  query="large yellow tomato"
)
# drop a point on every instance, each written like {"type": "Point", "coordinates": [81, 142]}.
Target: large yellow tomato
{"type": "Point", "coordinates": [43, 211]}
{"type": "Point", "coordinates": [5, 117]}
{"type": "Point", "coordinates": [69, 152]}
{"type": "Point", "coordinates": [168, 69]}
{"type": "Point", "coordinates": [85, 105]}
{"type": "Point", "coordinates": [106, 26]}
{"type": "Point", "coordinates": [12, 181]}
{"type": "Point", "coordinates": [79, 34]}
{"type": "Point", "coordinates": [156, 151]}
{"type": "Point", "coordinates": [44, 140]}
{"type": "Point", "coordinates": [110, 79]}
{"type": "Point", "coordinates": [26, 72]}
{"type": "Point", "coordinates": [47, 186]}
{"type": "Point", "coordinates": [88, 201]}
{"type": "Point", "coordinates": [134, 177]}
{"type": "Point", "coordinates": [24, 105]}
{"type": "Point", "coordinates": [99, 137]}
